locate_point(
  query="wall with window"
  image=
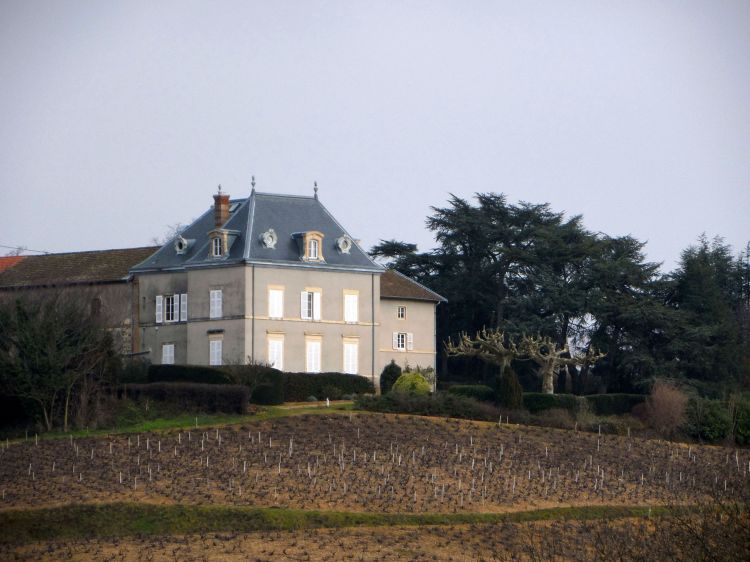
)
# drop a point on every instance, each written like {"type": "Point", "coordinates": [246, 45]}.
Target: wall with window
{"type": "Point", "coordinates": [329, 308]}
{"type": "Point", "coordinates": [406, 333]}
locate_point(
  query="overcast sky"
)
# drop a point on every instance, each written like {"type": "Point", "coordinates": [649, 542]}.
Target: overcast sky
{"type": "Point", "coordinates": [120, 118]}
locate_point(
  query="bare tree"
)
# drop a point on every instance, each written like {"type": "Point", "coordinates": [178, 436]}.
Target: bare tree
{"type": "Point", "coordinates": [491, 346]}
{"type": "Point", "coordinates": [549, 358]}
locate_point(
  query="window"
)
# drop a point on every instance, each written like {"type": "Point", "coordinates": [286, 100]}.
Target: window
{"type": "Point", "coordinates": [401, 312]}
{"type": "Point", "coordinates": [216, 247]}
{"type": "Point", "coordinates": [312, 355]}
{"type": "Point", "coordinates": [167, 354]}
{"type": "Point", "coordinates": [170, 309]}
{"type": "Point", "coordinates": [403, 341]}
{"type": "Point", "coordinates": [310, 305]}
{"type": "Point", "coordinates": [312, 249]}
{"type": "Point", "coordinates": [351, 359]}
{"type": "Point", "coordinates": [275, 303]}
{"type": "Point", "coordinates": [183, 307]}
{"type": "Point", "coordinates": [214, 305]}
{"type": "Point", "coordinates": [276, 351]}
{"type": "Point", "coordinates": [214, 352]}
{"type": "Point", "coordinates": [159, 309]}
{"type": "Point", "coordinates": [351, 307]}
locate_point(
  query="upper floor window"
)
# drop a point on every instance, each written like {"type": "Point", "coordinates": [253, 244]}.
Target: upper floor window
{"type": "Point", "coordinates": [216, 247]}
{"type": "Point", "coordinates": [401, 312]}
{"type": "Point", "coordinates": [313, 249]}
{"type": "Point", "coordinates": [310, 304]}
{"type": "Point", "coordinates": [403, 341]}
{"type": "Point", "coordinates": [215, 304]}
{"type": "Point", "coordinates": [171, 308]}
{"type": "Point", "coordinates": [351, 307]}
{"type": "Point", "coordinates": [275, 303]}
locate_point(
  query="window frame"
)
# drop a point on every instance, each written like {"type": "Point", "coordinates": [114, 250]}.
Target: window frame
{"type": "Point", "coordinates": [313, 364]}
{"type": "Point", "coordinates": [215, 348]}
{"type": "Point", "coordinates": [350, 343]}
{"type": "Point", "coordinates": [215, 304]}
{"type": "Point", "coordinates": [354, 308]}
{"type": "Point", "coordinates": [275, 339]}
{"type": "Point", "coordinates": [164, 356]}
{"type": "Point", "coordinates": [216, 247]}
{"type": "Point", "coordinates": [171, 308]}
{"type": "Point", "coordinates": [401, 312]}
{"type": "Point", "coordinates": [311, 304]}
{"type": "Point", "coordinates": [272, 313]}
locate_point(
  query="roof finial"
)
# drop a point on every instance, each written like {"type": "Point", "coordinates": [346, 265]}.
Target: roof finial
{"type": "Point", "coordinates": [315, 189]}
{"type": "Point", "coordinates": [219, 189]}
{"type": "Point", "coordinates": [252, 182]}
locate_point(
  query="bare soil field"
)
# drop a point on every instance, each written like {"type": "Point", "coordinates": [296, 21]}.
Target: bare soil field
{"type": "Point", "coordinates": [367, 462]}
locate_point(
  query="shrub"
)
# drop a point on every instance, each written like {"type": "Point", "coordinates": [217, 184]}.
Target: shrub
{"type": "Point", "coordinates": [480, 392]}
{"type": "Point", "coordinates": [269, 393]}
{"type": "Point", "coordinates": [411, 383]}
{"type": "Point", "coordinates": [614, 404]}
{"type": "Point", "coordinates": [536, 402]}
{"type": "Point", "coordinates": [390, 375]}
{"type": "Point", "coordinates": [311, 399]}
{"type": "Point", "coordinates": [708, 420]}
{"type": "Point", "coordinates": [508, 391]}
{"type": "Point", "coordinates": [665, 408]}
{"type": "Point", "coordinates": [742, 423]}
{"type": "Point", "coordinates": [193, 397]}
{"type": "Point", "coordinates": [438, 404]}
{"type": "Point", "coordinates": [298, 386]}
{"type": "Point", "coordinates": [555, 417]}
{"type": "Point", "coordinates": [188, 373]}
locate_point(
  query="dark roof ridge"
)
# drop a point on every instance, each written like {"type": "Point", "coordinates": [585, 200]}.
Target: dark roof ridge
{"type": "Point", "coordinates": [437, 297]}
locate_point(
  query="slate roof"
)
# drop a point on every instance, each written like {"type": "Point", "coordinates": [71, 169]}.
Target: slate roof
{"type": "Point", "coordinates": [73, 267]}
{"type": "Point", "coordinates": [287, 215]}
{"type": "Point", "coordinates": [395, 285]}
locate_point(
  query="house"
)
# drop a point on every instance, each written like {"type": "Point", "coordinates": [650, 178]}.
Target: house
{"type": "Point", "coordinates": [276, 279]}
{"type": "Point", "coordinates": [99, 280]}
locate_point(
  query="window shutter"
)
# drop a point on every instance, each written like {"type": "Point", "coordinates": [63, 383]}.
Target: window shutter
{"type": "Point", "coordinates": [159, 309]}
{"type": "Point", "coordinates": [316, 306]}
{"type": "Point", "coordinates": [395, 340]}
{"type": "Point", "coordinates": [409, 341]}
{"type": "Point", "coordinates": [304, 312]}
{"type": "Point", "coordinates": [183, 307]}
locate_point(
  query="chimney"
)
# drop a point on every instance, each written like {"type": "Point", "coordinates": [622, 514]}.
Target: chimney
{"type": "Point", "coordinates": [221, 208]}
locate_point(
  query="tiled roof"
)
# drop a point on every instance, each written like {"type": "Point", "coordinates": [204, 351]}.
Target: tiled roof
{"type": "Point", "coordinates": [9, 261]}
{"type": "Point", "coordinates": [74, 267]}
{"type": "Point", "coordinates": [394, 285]}
{"type": "Point", "coordinates": [286, 215]}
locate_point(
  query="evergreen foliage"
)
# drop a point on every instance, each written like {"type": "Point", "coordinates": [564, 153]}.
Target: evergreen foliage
{"type": "Point", "coordinates": [390, 375]}
{"type": "Point", "coordinates": [508, 391]}
{"type": "Point", "coordinates": [411, 383]}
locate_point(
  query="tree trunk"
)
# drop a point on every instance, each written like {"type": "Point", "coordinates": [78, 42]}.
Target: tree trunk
{"type": "Point", "coordinates": [548, 379]}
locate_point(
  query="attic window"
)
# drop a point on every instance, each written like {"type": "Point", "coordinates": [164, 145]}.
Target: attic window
{"type": "Point", "coordinates": [312, 245]}
{"type": "Point", "coordinates": [216, 247]}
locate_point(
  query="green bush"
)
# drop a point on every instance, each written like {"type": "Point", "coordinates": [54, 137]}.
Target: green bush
{"type": "Point", "coordinates": [269, 393]}
{"type": "Point", "coordinates": [614, 404]}
{"type": "Point", "coordinates": [390, 375]}
{"type": "Point", "coordinates": [742, 423]}
{"type": "Point", "coordinates": [707, 420]}
{"type": "Point", "coordinates": [438, 404]}
{"type": "Point", "coordinates": [192, 397]}
{"type": "Point", "coordinates": [188, 373]}
{"type": "Point", "coordinates": [298, 386]}
{"type": "Point", "coordinates": [480, 392]}
{"type": "Point", "coordinates": [536, 402]}
{"type": "Point", "coordinates": [508, 391]}
{"type": "Point", "coordinates": [411, 383]}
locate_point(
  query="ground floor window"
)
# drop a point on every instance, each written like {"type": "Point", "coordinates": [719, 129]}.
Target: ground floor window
{"type": "Point", "coordinates": [214, 352]}
{"type": "Point", "coordinates": [167, 354]}
{"type": "Point", "coordinates": [276, 352]}
{"type": "Point", "coordinates": [312, 355]}
{"type": "Point", "coordinates": [351, 357]}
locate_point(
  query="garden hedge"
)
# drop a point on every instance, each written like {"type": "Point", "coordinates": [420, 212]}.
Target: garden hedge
{"type": "Point", "coordinates": [438, 404]}
{"type": "Point", "coordinates": [480, 392]}
{"type": "Point", "coordinates": [187, 373]}
{"type": "Point", "coordinates": [299, 386]}
{"type": "Point", "coordinates": [536, 402]}
{"type": "Point", "coordinates": [192, 397]}
{"type": "Point", "coordinates": [614, 404]}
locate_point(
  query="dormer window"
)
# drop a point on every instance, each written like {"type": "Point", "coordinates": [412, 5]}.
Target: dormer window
{"type": "Point", "coordinates": [216, 247]}
{"type": "Point", "coordinates": [313, 246]}
{"type": "Point", "coordinates": [310, 245]}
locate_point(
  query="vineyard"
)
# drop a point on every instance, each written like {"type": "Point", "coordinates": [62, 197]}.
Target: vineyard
{"type": "Point", "coordinates": [374, 463]}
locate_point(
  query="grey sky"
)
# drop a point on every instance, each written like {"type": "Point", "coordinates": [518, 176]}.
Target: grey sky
{"type": "Point", "coordinates": [120, 118]}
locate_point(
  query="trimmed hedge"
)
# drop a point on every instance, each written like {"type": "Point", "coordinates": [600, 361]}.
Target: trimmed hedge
{"type": "Point", "coordinates": [205, 398]}
{"type": "Point", "coordinates": [536, 402]}
{"type": "Point", "coordinates": [297, 387]}
{"type": "Point", "coordinates": [438, 404]}
{"type": "Point", "coordinates": [614, 404]}
{"type": "Point", "coordinates": [480, 392]}
{"type": "Point", "coordinates": [187, 373]}
{"type": "Point", "coordinates": [412, 383]}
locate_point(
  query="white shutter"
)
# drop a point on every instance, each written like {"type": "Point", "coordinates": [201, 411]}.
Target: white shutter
{"type": "Point", "coordinates": [304, 312]}
{"type": "Point", "coordinates": [316, 306]}
{"type": "Point", "coordinates": [409, 341]}
{"type": "Point", "coordinates": [159, 309]}
{"type": "Point", "coordinates": [351, 306]}
{"type": "Point", "coordinates": [395, 340]}
{"type": "Point", "coordinates": [350, 358]}
{"type": "Point", "coordinates": [183, 307]}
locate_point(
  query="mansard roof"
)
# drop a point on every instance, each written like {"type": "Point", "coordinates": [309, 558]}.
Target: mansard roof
{"type": "Point", "coordinates": [249, 219]}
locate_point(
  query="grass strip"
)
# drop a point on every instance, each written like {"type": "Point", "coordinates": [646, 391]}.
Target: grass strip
{"type": "Point", "coordinates": [90, 521]}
